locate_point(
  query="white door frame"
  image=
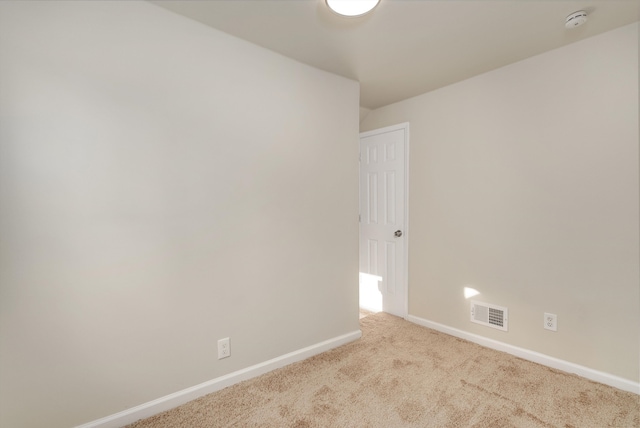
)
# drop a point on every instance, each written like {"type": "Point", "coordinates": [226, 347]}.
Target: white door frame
{"type": "Point", "coordinates": [404, 286]}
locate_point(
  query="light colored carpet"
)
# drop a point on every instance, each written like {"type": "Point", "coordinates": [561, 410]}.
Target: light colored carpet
{"type": "Point", "coordinates": [403, 375]}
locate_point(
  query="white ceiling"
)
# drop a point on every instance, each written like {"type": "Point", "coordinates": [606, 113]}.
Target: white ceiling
{"type": "Point", "coordinates": [408, 47]}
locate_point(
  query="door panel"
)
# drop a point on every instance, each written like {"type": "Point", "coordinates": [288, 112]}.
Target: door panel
{"type": "Point", "coordinates": [382, 208]}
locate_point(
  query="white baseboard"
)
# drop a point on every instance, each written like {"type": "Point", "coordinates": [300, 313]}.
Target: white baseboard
{"type": "Point", "coordinates": [536, 357]}
{"type": "Point", "coordinates": [177, 398]}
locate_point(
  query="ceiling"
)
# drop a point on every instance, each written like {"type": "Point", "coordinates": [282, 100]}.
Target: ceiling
{"type": "Point", "coordinates": [408, 47]}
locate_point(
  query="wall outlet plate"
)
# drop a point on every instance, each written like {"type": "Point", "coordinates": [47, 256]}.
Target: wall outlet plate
{"type": "Point", "coordinates": [224, 349]}
{"type": "Point", "coordinates": [551, 321]}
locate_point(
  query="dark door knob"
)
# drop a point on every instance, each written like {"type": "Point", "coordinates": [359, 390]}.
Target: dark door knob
{"type": "Point", "coordinates": [398, 233]}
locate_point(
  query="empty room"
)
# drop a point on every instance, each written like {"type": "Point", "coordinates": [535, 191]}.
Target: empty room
{"type": "Point", "coordinates": [288, 213]}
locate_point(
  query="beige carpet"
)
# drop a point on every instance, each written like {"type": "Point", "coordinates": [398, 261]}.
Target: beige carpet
{"type": "Point", "coordinates": [403, 375]}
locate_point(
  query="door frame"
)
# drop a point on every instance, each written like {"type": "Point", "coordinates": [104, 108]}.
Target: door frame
{"type": "Point", "coordinates": [405, 266]}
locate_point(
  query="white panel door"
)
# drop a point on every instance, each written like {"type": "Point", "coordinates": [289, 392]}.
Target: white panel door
{"type": "Point", "coordinates": [383, 248]}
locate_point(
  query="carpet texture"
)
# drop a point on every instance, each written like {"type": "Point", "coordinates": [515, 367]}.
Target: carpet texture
{"type": "Point", "coordinates": [403, 375]}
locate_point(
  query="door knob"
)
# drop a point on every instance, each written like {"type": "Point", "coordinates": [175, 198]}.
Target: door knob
{"type": "Point", "coordinates": [398, 233]}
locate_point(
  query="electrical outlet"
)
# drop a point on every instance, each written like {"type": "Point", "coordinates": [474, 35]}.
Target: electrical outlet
{"type": "Point", "coordinates": [551, 321]}
{"type": "Point", "coordinates": [224, 349]}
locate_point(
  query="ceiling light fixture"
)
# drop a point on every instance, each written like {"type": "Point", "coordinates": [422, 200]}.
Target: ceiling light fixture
{"type": "Point", "coordinates": [352, 7]}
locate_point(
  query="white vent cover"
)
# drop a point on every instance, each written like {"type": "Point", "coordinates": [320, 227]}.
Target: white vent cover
{"type": "Point", "coordinates": [490, 315]}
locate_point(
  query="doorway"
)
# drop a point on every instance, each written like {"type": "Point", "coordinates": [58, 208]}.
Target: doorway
{"type": "Point", "coordinates": [384, 155]}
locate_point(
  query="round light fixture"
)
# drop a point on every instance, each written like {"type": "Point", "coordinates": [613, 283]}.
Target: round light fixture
{"type": "Point", "coordinates": [351, 7]}
{"type": "Point", "coordinates": [576, 19]}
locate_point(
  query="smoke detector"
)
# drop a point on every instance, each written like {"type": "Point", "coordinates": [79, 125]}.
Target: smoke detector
{"type": "Point", "coordinates": [576, 19]}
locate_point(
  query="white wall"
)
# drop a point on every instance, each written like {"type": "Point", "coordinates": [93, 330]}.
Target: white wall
{"type": "Point", "coordinates": [162, 185]}
{"type": "Point", "coordinates": [524, 186]}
